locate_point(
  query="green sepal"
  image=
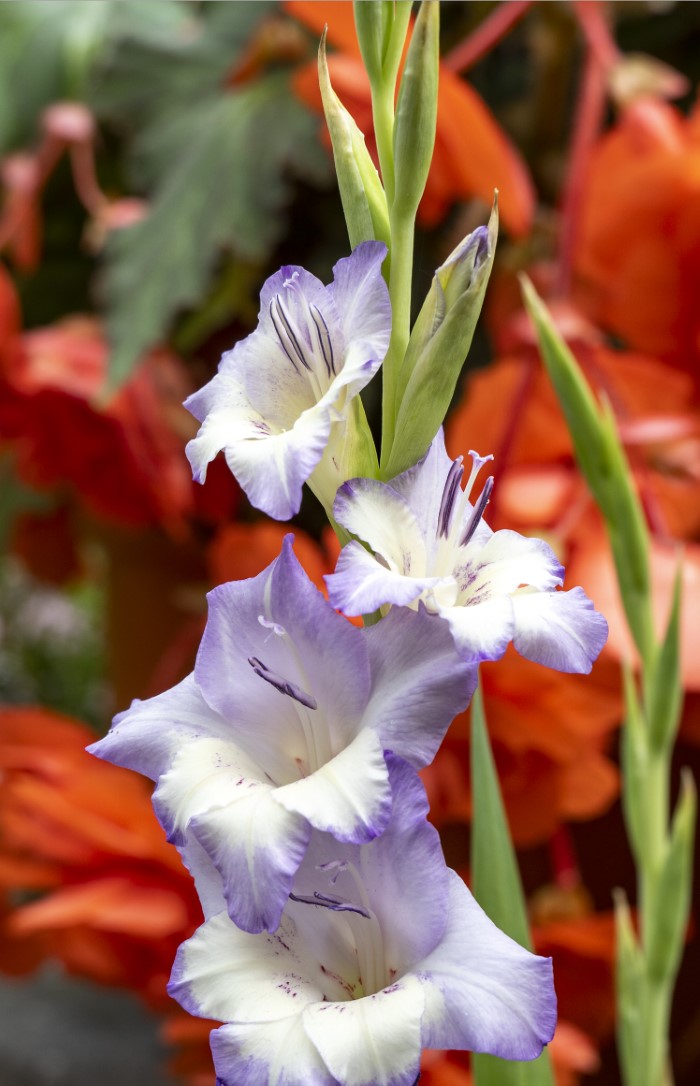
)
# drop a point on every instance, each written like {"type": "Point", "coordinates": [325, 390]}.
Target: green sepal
{"type": "Point", "coordinates": [665, 698]}
{"type": "Point", "coordinates": [361, 192]}
{"type": "Point", "coordinates": [630, 984]}
{"type": "Point", "coordinates": [635, 760]}
{"type": "Point", "coordinates": [349, 454]}
{"type": "Point", "coordinates": [416, 112]}
{"type": "Point", "coordinates": [604, 465]}
{"type": "Point", "coordinates": [438, 346]}
{"type": "Point", "coordinates": [668, 925]}
{"type": "Point", "coordinates": [497, 887]}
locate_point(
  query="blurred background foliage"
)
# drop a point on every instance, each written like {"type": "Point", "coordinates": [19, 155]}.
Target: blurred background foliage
{"type": "Point", "coordinates": [157, 161]}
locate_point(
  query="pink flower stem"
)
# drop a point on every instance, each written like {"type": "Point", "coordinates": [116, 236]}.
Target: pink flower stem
{"type": "Point", "coordinates": [487, 34]}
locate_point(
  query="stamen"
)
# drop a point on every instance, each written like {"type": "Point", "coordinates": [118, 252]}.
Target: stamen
{"type": "Point", "coordinates": [285, 686]}
{"type": "Point", "coordinates": [477, 512]}
{"type": "Point", "coordinates": [337, 905]}
{"type": "Point", "coordinates": [287, 336]}
{"type": "Point", "coordinates": [324, 338]}
{"type": "Point", "coordinates": [477, 464]}
{"type": "Point", "coordinates": [449, 494]}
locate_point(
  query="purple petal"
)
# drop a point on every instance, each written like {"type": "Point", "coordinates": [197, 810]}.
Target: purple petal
{"type": "Point", "coordinates": [214, 792]}
{"type": "Point", "coordinates": [507, 561]}
{"type": "Point", "coordinates": [481, 631]}
{"type": "Point", "coordinates": [484, 992]}
{"type": "Point", "coordinates": [362, 298]}
{"type": "Point", "coordinates": [248, 1054]}
{"type": "Point", "coordinates": [419, 683]}
{"type": "Point", "coordinates": [405, 874]}
{"type": "Point", "coordinates": [380, 517]}
{"type": "Point", "coordinates": [281, 619]}
{"type": "Point", "coordinates": [558, 629]}
{"type": "Point", "coordinates": [361, 584]}
{"type": "Point", "coordinates": [257, 847]}
{"type": "Point", "coordinates": [148, 736]}
{"type": "Point", "coordinates": [423, 485]}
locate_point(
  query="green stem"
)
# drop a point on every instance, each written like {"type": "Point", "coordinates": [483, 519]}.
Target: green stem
{"type": "Point", "coordinates": [657, 995]}
{"type": "Point", "coordinates": [383, 119]}
{"type": "Point", "coordinates": [400, 282]}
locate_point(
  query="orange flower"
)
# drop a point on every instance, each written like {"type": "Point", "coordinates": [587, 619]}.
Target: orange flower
{"type": "Point", "coordinates": [638, 252]}
{"type": "Point", "coordinates": [86, 875]}
{"type": "Point", "coordinates": [122, 457]}
{"type": "Point", "coordinates": [550, 734]}
{"type": "Point", "coordinates": [117, 901]}
{"type": "Point", "coordinates": [472, 153]}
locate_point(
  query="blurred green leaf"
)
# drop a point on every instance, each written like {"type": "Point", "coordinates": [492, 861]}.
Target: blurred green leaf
{"type": "Point", "coordinates": [227, 188]}
{"type": "Point", "coordinates": [498, 889]}
{"type": "Point", "coordinates": [48, 52]}
{"type": "Point", "coordinates": [216, 160]}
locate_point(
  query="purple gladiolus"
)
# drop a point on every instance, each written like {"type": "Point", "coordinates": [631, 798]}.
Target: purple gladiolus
{"type": "Point", "coordinates": [380, 952]}
{"type": "Point", "coordinates": [280, 405]}
{"type": "Point", "coordinates": [429, 543]}
{"type": "Point", "coordinates": [282, 729]}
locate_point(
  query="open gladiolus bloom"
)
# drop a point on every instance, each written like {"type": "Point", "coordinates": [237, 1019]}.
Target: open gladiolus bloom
{"type": "Point", "coordinates": [430, 543]}
{"type": "Point", "coordinates": [280, 404]}
{"type": "Point", "coordinates": [282, 729]}
{"type": "Point", "coordinates": [380, 951]}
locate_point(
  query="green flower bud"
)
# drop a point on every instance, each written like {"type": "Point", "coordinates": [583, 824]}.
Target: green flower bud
{"type": "Point", "coordinates": [361, 192]}
{"type": "Point", "coordinates": [416, 112]}
{"type": "Point", "coordinates": [439, 344]}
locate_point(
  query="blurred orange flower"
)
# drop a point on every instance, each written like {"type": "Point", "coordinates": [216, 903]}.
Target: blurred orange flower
{"type": "Point", "coordinates": [638, 250]}
{"type": "Point", "coordinates": [462, 167]}
{"type": "Point", "coordinates": [550, 734]}
{"type": "Point", "coordinates": [121, 455]}
{"type": "Point", "coordinates": [86, 875]}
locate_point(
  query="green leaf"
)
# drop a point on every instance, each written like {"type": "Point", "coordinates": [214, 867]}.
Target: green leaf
{"type": "Point", "coordinates": [498, 889]}
{"type": "Point", "coordinates": [226, 188]}
{"type": "Point", "coordinates": [604, 465]}
{"type": "Point", "coordinates": [665, 702]}
{"type": "Point", "coordinates": [669, 921]}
